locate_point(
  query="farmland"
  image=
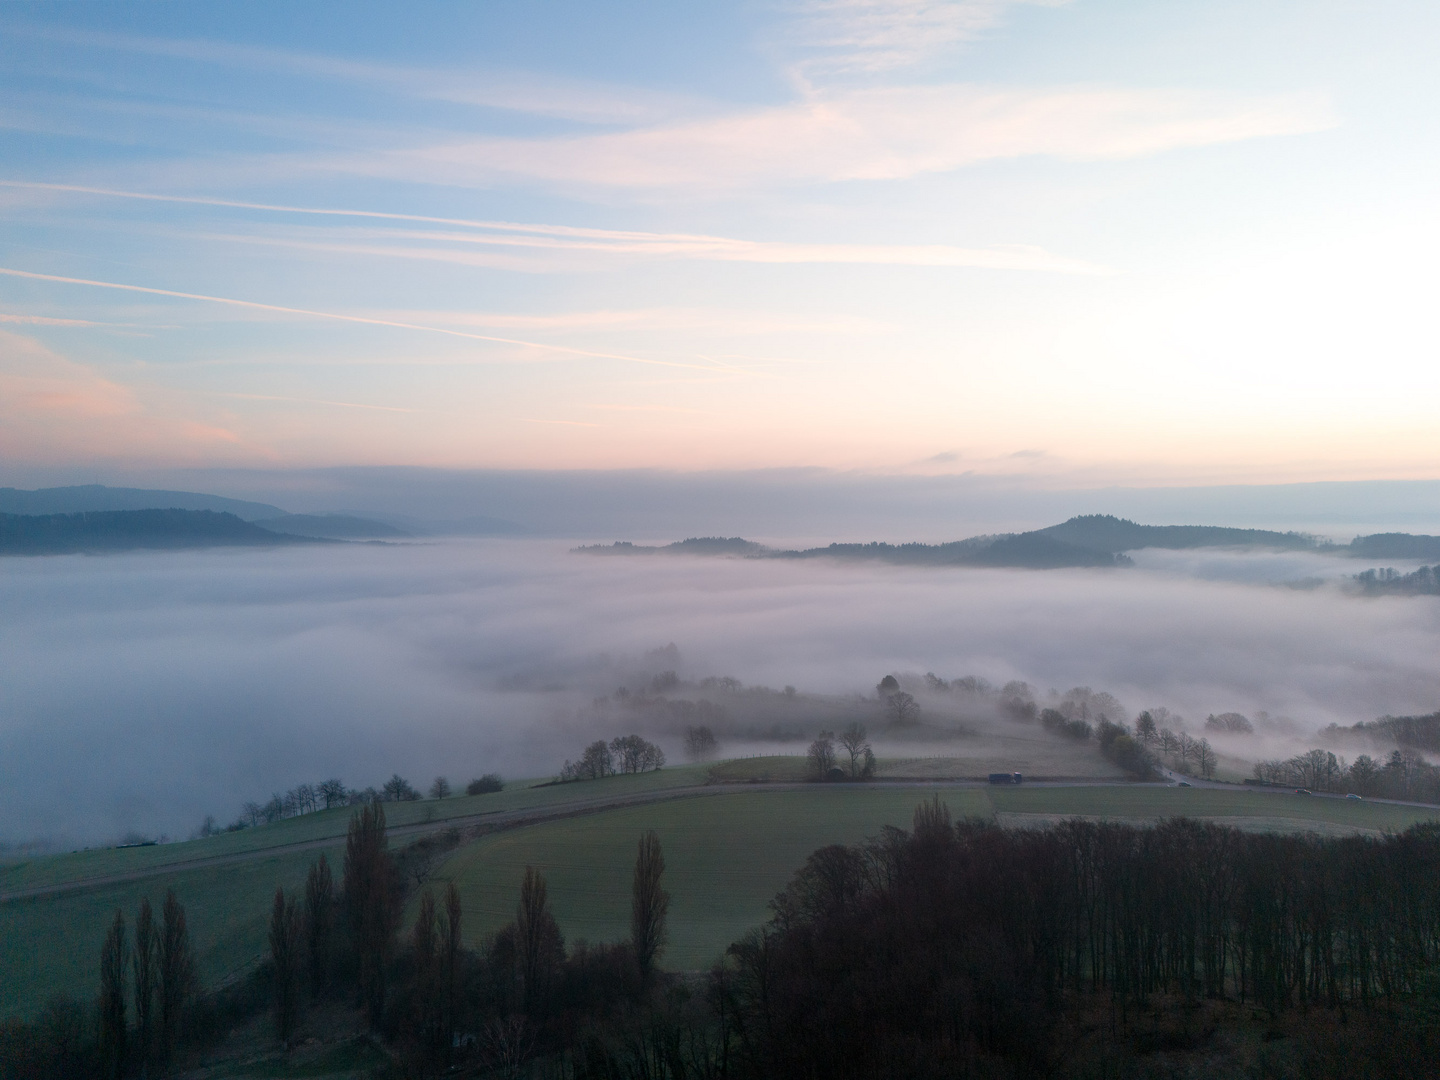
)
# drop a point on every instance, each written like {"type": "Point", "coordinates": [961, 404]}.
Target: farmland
{"type": "Point", "coordinates": [729, 848]}
{"type": "Point", "coordinates": [727, 856]}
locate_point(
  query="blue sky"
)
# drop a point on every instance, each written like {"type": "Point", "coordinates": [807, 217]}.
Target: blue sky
{"type": "Point", "coordinates": [1084, 242]}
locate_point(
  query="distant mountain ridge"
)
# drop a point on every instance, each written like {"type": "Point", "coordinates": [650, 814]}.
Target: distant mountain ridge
{"type": "Point", "coordinates": [1104, 532]}
{"type": "Point", "coordinates": [1089, 540]}
{"type": "Point", "coordinates": [332, 527]}
{"type": "Point", "coordinates": [87, 498]}
{"type": "Point", "coordinates": [129, 530]}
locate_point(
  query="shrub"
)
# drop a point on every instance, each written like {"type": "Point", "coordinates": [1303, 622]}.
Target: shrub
{"type": "Point", "coordinates": [485, 785]}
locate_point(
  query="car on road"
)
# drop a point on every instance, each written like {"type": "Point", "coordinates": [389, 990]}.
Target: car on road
{"type": "Point", "coordinates": [1352, 795]}
{"type": "Point", "coordinates": [1185, 783]}
{"type": "Point", "coordinates": [1302, 791]}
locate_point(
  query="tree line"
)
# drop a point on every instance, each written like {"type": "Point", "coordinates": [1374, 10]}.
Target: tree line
{"type": "Point", "coordinates": [622, 754]}
{"type": "Point", "coordinates": [1404, 775]}
{"type": "Point", "coordinates": [951, 950]}
{"type": "Point", "coordinates": [327, 794]}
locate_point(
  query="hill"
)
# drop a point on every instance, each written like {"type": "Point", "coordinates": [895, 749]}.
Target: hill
{"type": "Point", "coordinates": [584, 835]}
{"type": "Point", "coordinates": [87, 498]}
{"type": "Point", "coordinates": [1104, 532]}
{"type": "Point", "coordinates": [1395, 546]}
{"type": "Point", "coordinates": [127, 530]}
{"type": "Point", "coordinates": [332, 527]}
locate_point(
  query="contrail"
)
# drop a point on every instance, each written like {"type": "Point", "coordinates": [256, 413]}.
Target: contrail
{"type": "Point", "coordinates": [508, 226]}
{"type": "Point", "coordinates": [354, 319]}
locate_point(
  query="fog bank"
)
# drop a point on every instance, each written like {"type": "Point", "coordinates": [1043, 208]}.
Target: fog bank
{"type": "Point", "coordinates": [141, 692]}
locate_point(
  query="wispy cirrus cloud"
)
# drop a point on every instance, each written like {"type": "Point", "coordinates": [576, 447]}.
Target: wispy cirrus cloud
{"type": "Point", "coordinates": [557, 97]}
{"type": "Point", "coordinates": [845, 36]}
{"type": "Point", "coordinates": [887, 133]}
{"type": "Point", "coordinates": [363, 320]}
{"type": "Point", "coordinates": [531, 239]}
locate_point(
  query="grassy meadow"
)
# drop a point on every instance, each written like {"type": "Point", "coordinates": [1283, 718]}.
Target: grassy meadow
{"type": "Point", "coordinates": [728, 849]}
{"type": "Point", "coordinates": [51, 945]}
{"type": "Point", "coordinates": [43, 870]}
{"type": "Point", "coordinates": [728, 855]}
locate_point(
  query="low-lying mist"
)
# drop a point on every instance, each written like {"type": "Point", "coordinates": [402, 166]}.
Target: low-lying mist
{"type": "Point", "coordinates": [139, 693]}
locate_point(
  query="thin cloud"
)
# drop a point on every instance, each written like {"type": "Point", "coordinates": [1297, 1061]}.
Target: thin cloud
{"type": "Point", "coordinates": [888, 133]}
{"type": "Point", "coordinates": [306, 312]}
{"type": "Point", "coordinates": [843, 36]}
{"type": "Point", "coordinates": [314, 401]}
{"type": "Point", "coordinates": [567, 99]}
{"type": "Point", "coordinates": [569, 239]}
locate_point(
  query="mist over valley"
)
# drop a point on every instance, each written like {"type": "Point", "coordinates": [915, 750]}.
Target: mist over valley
{"type": "Point", "coordinates": [143, 691]}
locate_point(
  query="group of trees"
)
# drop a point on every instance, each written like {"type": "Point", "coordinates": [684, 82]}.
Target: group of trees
{"type": "Point", "coordinates": [900, 707]}
{"type": "Point", "coordinates": [1185, 753]}
{"type": "Point", "coordinates": [955, 950]}
{"type": "Point", "coordinates": [159, 971]}
{"type": "Point", "coordinates": [1404, 774]}
{"type": "Point", "coordinates": [623, 754]}
{"type": "Point", "coordinates": [824, 763]}
{"type": "Point", "coordinates": [700, 743]}
{"type": "Point", "coordinates": [656, 709]}
{"type": "Point", "coordinates": [1424, 581]}
{"type": "Point", "coordinates": [308, 798]}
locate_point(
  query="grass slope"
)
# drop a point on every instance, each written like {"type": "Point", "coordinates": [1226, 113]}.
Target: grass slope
{"type": "Point", "coordinates": [51, 945]}
{"type": "Point", "coordinates": [728, 852]}
{"type": "Point", "coordinates": [721, 880]}
{"type": "Point", "coordinates": [103, 862]}
{"type": "Point", "coordinates": [726, 856]}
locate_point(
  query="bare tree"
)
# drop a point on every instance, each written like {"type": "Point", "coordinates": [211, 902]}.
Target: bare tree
{"type": "Point", "coordinates": [539, 941]}
{"type": "Point", "coordinates": [855, 741]}
{"type": "Point", "coordinates": [285, 961]}
{"type": "Point", "coordinates": [319, 918]}
{"type": "Point", "coordinates": [1205, 758]}
{"type": "Point", "coordinates": [398, 789]}
{"type": "Point", "coordinates": [143, 961]}
{"type": "Point", "coordinates": [440, 789]}
{"type": "Point", "coordinates": [821, 755]}
{"type": "Point", "coordinates": [112, 999]}
{"type": "Point", "coordinates": [901, 708]}
{"type": "Point", "coordinates": [451, 945]}
{"type": "Point", "coordinates": [507, 1045]}
{"type": "Point", "coordinates": [649, 903]}
{"type": "Point", "coordinates": [177, 973]}
{"type": "Point", "coordinates": [426, 970]}
{"type": "Point", "coordinates": [370, 903]}
{"type": "Point", "coordinates": [333, 792]}
{"type": "Point", "coordinates": [699, 743]}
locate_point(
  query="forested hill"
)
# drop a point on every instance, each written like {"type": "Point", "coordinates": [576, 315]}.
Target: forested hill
{"type": "Point", "coordinates": [1104, 532]}
{"type": "Point", "coordinates": [1088, 540]}
{"type": "Point", "coordinates": [91, 498]}
{"type": "Point", "coordinates": [124, 530]}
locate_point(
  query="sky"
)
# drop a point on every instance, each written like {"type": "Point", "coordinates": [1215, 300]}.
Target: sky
{"type": "Point", "coordinates": [1079, 243]}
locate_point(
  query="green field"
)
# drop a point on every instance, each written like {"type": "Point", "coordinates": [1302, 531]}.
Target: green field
{"type": "Point", "coordinates": [326, 824]}
{"type": "Point", "coordinates": [51, 945]}
{"type": "Point", "coordinates": [729, 849]}
{"type": "Point", "coordinates": [728, 855]}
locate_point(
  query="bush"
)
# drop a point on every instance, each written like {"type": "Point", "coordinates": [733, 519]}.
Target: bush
{"type": "Point", "coordinates": [485, 785]}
